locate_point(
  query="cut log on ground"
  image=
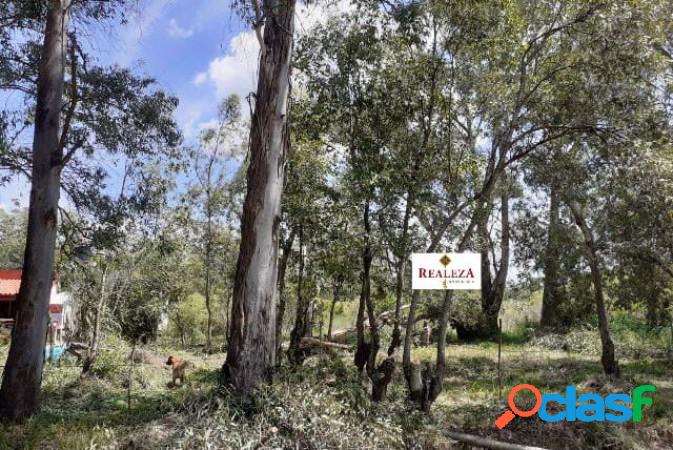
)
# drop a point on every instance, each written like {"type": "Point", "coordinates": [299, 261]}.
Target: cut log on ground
{"type": "Point", "coordinates": [344, 334]}
{"type": "Point", "coordinates": [311, 342]}
{"type": "Point", "coordinates": [483, 442]}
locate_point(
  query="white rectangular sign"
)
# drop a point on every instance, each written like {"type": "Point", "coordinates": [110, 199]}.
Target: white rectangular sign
{"type": "Point", "coordinates": [454, 271]}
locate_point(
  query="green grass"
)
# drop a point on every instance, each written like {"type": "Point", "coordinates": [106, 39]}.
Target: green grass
{"type": "Point", "coordinates": [324, 405]}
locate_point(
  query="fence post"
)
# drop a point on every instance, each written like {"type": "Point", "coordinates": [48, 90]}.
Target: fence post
{"type": "Point", "coordinates": [499, 358]}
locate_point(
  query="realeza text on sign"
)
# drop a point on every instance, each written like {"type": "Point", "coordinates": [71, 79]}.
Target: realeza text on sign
{"type": "Point", "coordinates": [454, 271]}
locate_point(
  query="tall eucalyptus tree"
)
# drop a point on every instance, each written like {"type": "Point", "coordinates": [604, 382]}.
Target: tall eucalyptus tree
{"type": "Point", "coordinates": [252, 347]}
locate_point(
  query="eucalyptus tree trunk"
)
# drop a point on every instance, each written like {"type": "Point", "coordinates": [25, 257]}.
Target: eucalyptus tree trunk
{"type": "Point", "coordinates": [208, 260]}
{"type": "Point", "coordinates": [335, 300]}
{"type": "Point", "coordinates": [551, 296]}
{"type": "Point", "coordinates": [608, 359]}
{"type": "Point", "coordinates": [22, 377]}
{"type": "Point", "coordinates": [412, 191]}
{"type": "Point", "coordinates": [92, 353]}
{"type": "Point", "coordinates": [396, 340]}
{"type": "Point", "coordinates": [492, 287]}
{"type": "Point", "coordinates": [252, 346]}
{"type": "Point", "coordinates": [363, 348]}
{"type": "Point", "coordinates": [382, 375]}
{"type": "Point", "coordinates": [282, 300]}
{"type": "Point", "coordinates": [210, 241]}
{"type": "Point", "coordinates": [302, 322]}
{"type": "Point", "coordinates": [424, 384]}
{"type": "Point", "coordinates": [494, 302]}
{"type": "Point", "coordinates": [366, 352]}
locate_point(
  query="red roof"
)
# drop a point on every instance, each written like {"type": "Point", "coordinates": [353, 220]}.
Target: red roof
{"type": "Point", "coordinates": [10, 280]}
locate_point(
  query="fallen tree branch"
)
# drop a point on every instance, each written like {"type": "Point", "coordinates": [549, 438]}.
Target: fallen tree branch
{"type": "Point", "coordinates": [311, 342]}
{"type": "Point", "coordinates": [483, 442]}
{"type": "Point", "coordinates": [344, 333]}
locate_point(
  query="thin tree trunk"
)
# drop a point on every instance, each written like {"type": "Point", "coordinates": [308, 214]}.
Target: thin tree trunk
{"type": "Point", "coordinates": [335, 300]}
{"type": "Point", "coordinates": [492, 308]}
{"type": "Point", "coordinates": [396, 340]}
{"type": "Point", "coordinates": [301, 324]}
{"type": "Point", "coordinates": [366, 353]}
{"type": "Point", "coordinates": [252, 348]}
{"type": "Point", "coordinates": [382, 375]}
{"type": "Point", "coordinates": [22, 377]}
{"type": "Point", "coordinates": [209, 252]}
{"type": "Point", "coordinates": [484, 248]}
{"type": "Point", "coordinates": [411, 195]}
{"type": "Point", "coordinates": [492, 288]}
{"type": "Point", "coordinates": [282, 300]}
{"type": "Point", "coordinates": [610, 364]}
{"type": "Point", "coordinates": [93, 345]}
{"type": "Point", "coordinates": [209, 312]}
{"type": "Point", "coordinates": [363, 348]}
{"type": "Point", "coordinates": [551, 296]}
{"type": "Point", "coordinates": [431, 381]}
{"type": "Point", "coordinates": [424, 384]}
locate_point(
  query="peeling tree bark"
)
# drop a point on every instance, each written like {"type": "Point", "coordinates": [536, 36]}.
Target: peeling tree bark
{"type": "Point", "coordinates": [401, 270]}
{"type": "Point", "coordinates": [252, 346]}
{"type": "Point", "coordinates": [22, 377]}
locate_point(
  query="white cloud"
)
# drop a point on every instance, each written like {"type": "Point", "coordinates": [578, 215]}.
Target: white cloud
{"type": "Point", "coordinates": [235, 72]}
{"type": "Point", "coordinates": [178, 32]}
{"type": "Point", "coordinates": [200, 78]}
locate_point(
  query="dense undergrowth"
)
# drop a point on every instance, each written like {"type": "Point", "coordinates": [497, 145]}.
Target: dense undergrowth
{"type": "Point", "coordinates": [324, 404]}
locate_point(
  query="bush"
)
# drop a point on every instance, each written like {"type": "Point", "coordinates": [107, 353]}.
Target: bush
{"type": "Point", "coordinates": [111, 360]}
{"type": "Point", "coordinates": [188, 320]}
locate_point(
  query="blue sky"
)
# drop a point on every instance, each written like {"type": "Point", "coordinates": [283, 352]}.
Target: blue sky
{"type": "Point", "coordinates": [198, 50]}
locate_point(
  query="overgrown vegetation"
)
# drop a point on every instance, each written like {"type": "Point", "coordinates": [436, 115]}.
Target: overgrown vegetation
{"type": "Point", "coordinates": [270, 245]}
{"type": "Point", "coordinates": [324, 405]}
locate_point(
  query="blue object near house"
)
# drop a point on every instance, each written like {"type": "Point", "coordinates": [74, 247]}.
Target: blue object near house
{"type": "Point", "coordinates": [53, 352]}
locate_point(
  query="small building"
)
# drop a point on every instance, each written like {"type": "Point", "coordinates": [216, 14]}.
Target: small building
{"type": "Point", "coordinates": [10, 282]}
